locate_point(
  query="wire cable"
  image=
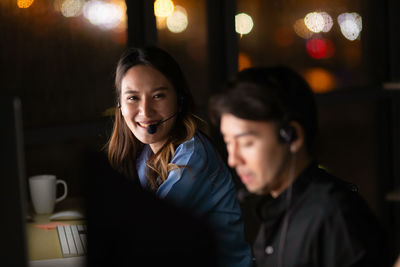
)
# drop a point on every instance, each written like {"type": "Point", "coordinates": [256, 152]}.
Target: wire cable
{"type": "Point", "coordinates": [285, 225]}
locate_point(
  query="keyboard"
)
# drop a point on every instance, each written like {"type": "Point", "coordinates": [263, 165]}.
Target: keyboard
{"type": "Point", "coordinates": [73, 239]}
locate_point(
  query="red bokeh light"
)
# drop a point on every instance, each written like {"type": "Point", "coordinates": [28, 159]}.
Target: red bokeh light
{"type": "Point", "coordinates": [316, 48]}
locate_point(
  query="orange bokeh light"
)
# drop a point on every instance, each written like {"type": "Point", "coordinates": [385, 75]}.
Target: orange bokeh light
{"type": "Point", "coordinates": [24, 3]}
{"type": "Point", "coordinates": [243, 61]}
{"type": "Point", "coordinates": [320, 80]}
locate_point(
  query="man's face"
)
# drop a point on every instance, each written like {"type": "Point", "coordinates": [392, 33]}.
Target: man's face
{"type": "Point", "coordinates": [255, 153]}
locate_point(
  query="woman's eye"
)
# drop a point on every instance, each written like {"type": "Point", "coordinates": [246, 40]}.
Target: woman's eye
{"type": "Point", "coordinates": [134, 98]}
{"type": "Point", "coordinates": [157, 96]}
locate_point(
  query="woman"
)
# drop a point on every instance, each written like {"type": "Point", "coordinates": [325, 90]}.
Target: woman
{"type": "Point", "coordinates": [156, 138]}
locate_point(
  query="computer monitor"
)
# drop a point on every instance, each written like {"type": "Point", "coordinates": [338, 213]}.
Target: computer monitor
{"type": "Point", "coordinates": [13, 249]}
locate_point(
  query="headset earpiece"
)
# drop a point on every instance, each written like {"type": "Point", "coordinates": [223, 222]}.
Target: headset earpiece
{"type": "Point", "coordinates": [287, 134]}
{"type": "Point", "coordinates": [118, 102]}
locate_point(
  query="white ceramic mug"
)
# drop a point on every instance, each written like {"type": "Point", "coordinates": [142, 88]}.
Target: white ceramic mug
{"type": "Point", "coordinates": [43, 189]}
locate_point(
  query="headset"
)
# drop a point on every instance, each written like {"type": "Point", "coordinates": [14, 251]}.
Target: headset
{"type": "Point", "coordinates": [287, 134]}
{"type": "Point", "coordinates": [152, 128]}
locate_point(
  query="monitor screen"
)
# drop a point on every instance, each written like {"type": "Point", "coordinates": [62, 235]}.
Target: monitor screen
{"type": "Point", "coordinates": [12, 185]}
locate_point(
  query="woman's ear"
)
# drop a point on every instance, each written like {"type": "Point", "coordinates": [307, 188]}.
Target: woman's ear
{"type": "Point", "coordinates": [298, 142]}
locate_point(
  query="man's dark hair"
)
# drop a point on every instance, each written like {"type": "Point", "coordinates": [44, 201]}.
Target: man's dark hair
{"type": "Point", "coordinates": [276, 94]}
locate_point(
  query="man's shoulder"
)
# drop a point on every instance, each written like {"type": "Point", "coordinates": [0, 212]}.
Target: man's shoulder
{"type": "Point", "coordinates": [330, 193]}
{"type": "Point", "coordinates": [326, 180]}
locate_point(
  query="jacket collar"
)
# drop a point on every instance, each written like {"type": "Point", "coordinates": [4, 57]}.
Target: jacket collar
{"type": "Point", "coordinates": [270, 208]}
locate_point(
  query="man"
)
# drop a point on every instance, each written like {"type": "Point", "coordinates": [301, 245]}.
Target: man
{"type": "Point", "coordinates": [267, 117]}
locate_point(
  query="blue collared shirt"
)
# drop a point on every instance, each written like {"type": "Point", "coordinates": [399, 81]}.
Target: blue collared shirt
{"type": "Point", "coordinates": [205, 187]}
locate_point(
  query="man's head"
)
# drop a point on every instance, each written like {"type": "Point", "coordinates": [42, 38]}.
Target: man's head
{"type": "Point", "coordinates": [266, 116]}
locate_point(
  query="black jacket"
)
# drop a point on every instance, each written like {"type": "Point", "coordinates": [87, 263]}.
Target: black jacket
{"type": "Point", "coordinates": [327, 224]}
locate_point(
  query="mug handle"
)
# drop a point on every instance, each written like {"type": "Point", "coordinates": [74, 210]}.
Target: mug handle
{"type": "Point", "coordinates": [65, 190]}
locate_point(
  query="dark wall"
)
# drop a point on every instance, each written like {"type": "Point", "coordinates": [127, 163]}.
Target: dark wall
{"type": "Point", "coordinates": [63, 71]}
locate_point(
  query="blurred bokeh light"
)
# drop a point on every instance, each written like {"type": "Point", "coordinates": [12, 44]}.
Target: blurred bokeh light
{"type": "Point", "coordinates": [330, 48]}
{"type": "Point", "coordinates": [72, 8]}
{"type": "Point", "coordinates": [350, 25]}
{"type": "Point", "coordinates": [328, 21]}
{"type": "Point", "coordinates": [320, 80]}
{"type": "Point", "coordinates": [57, 5]}
{"type": "Point", "coordinates": [243, 61]}
{"type": "Point", "coordinates": [163, 8]}
{"type": "Point", "coordinates": [105, 15]}
{"type": "Point", "coordinates": [318, 22]}
{"type": "Point", "coordinates": [243, 23]}
{"type": "Point", "coordinates": [161, 23]}
{"type": "Point", "coordinates": [314, 21]}
{"type": "Point", "coordinates": [301, 29]}
{"type": "Point", "coordinates": [178, 21]}
{"type": "Point", "coordinates": [316, 48]}
{"type": "Point", "coordinates": [24, 3]}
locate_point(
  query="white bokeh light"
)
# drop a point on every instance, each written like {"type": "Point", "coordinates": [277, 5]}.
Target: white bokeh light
{"type": "Point", "coordinates": [328, 21]}
{"type": "Point", "coordinates": [163, 8]}
{"type": "Point", "coordinates": [314, 21]}
{"type": "Point", "coordinates": [301, 29]}
{"type": "Point", "coordinates": [104, 15]}
{"type": "Point", "coordinates": [350, 25]}
{"type": "Point", "coordinates": [243, 23]}
{"type": "Point", "coordinates": [72, 8]}
{"type": "Point", "coordinates": [178, 21]}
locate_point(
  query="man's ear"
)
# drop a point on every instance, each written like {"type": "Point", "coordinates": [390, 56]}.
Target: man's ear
{"type": "Point", "coordinates": [299, 142]}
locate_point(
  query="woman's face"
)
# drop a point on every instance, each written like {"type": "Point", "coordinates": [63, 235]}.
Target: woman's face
{"type": "Point", "coordinates": [147, 97]}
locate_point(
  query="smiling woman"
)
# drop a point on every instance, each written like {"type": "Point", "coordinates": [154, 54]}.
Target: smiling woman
{"type": "Point", "coordinates": [141, 74]}
{"type": "Point", "coordinates": [156, 141]}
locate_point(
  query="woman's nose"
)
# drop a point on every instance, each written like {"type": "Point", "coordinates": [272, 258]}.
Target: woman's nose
{"type": "Point", "coordinates": [145, 107]}
{"type": "Point", "coordinates": [234, 157]}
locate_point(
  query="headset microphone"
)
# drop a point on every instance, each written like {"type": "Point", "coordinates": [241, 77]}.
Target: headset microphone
{"type": "Point", "coordinates": [152, 128]}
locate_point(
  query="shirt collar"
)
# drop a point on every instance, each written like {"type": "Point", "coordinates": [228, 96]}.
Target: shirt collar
{"type": "Point", "coordinates": [271, 208]}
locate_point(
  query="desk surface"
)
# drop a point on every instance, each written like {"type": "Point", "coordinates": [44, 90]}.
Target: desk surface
{"type": "Point", "coordinates": [44, 244]}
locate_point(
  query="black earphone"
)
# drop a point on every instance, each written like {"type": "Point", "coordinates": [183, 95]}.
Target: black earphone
{"type": "Point", "coordinates": [287, 134]}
